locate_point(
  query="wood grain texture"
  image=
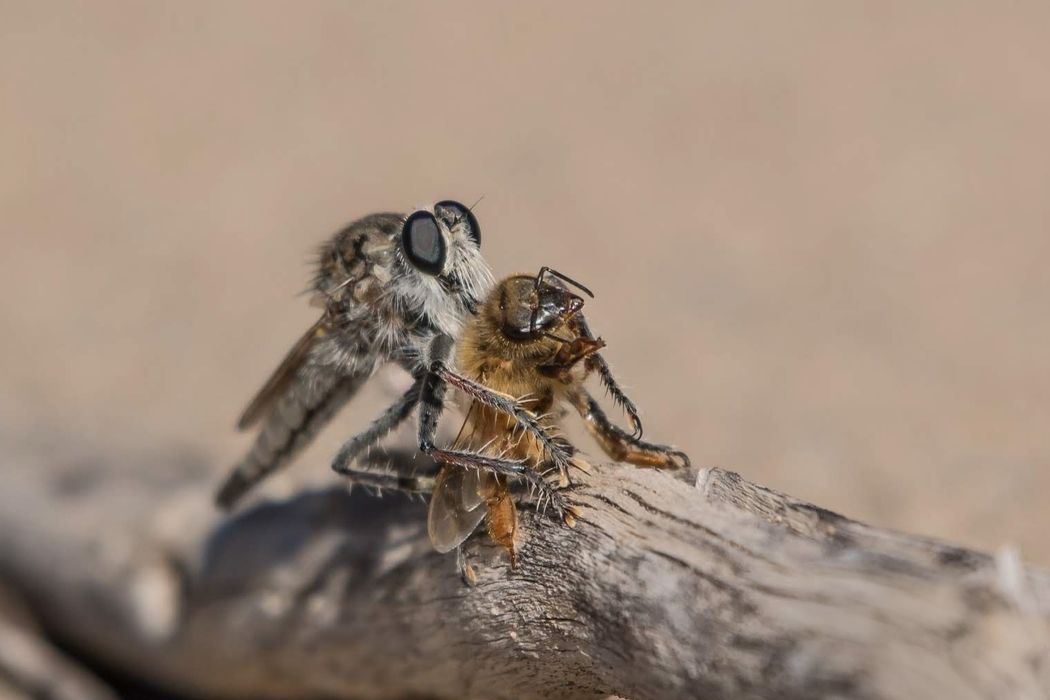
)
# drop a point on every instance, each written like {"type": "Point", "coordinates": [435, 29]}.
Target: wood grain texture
{"type": "Point", "coordinates": [713, 588]}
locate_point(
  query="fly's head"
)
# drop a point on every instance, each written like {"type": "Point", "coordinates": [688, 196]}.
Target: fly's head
{"type": "Point", "coordinates": [442, 275]}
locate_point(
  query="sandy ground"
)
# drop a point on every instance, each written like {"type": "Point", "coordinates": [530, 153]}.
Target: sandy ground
{"type": "Point", "coordinates": [819, 234]}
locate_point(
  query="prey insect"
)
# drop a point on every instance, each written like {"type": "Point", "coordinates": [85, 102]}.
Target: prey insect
{"type": "Point", "coordinates": [529, 340]}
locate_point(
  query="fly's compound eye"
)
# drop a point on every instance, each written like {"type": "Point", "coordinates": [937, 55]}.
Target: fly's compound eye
{"type": "Point", "coordinates": [462, 213]}
{"type": "Point", "coordinates": [423, 244]}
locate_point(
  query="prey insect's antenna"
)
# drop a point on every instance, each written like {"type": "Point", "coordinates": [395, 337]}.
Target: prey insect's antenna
{"type": "Point", "coordinates": [536, 292]}
{"type": "Point", "coordinates": [471, 207]}
{"type": "Point", "coordinates": [565, 278]}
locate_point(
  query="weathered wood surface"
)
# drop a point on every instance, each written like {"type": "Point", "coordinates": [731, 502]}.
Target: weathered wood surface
{"type": "Point", "coordinates": [713, 588]}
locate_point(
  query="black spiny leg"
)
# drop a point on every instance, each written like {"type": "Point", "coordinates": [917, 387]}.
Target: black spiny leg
{"type": "Point", "coordinates": [432, 400]}
{"type": "Point", "coordinates": [598, 363]}
{"type": "Point", "coordinates": [559, 451]}
{"type": "Point", "coordinates": [618, 444]}
{"type": "Point", "coordinates": [391, 418]}
{"type": "Point", "coordinates": [390, 480]}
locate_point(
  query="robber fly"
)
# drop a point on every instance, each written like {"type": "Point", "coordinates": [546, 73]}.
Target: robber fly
{"type": "Point", "coordinates": [393, 288]}
{"type": "Point", "coordinates": [529, 340]}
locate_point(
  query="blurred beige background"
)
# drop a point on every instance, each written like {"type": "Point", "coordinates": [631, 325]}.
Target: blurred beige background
{"type": "Point", "coordinates": [818, 232]}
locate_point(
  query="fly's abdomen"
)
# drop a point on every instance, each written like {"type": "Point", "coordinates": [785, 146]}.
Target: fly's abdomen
{"type": "Point", "coordinates": [291, 424]}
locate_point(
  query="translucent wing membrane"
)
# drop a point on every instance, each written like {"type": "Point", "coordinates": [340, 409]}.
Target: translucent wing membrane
{"type": "Point", "coordinates": [456, 507]}
{"type": "Point", "coordinates": [282, 376]}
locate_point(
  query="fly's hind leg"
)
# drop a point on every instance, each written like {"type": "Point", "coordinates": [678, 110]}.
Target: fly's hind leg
{"type": "Point", "coordinates": [546, 494]}
{"type": "Point", "coordinates": [432, 402]}
{"type": "Point", "coordinates": [391, 418]}
{"type": "Point", "coordinates": [620, 445]}
{"type": "Point", "coordinates": [390, 478]}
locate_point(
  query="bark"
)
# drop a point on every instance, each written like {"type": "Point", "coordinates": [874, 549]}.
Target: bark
{"type": "Point", "coordinates": [713, 588]}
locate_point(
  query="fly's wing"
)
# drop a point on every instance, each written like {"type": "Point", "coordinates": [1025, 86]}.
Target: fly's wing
{"type": "Point", "coordinates": [282, 376]}
{"type": "Point", "coordinates": [298, 400]}
{"type": "Point", "coordinates": [297, 416]}
{"type": "Point", "coordinates": [449, 520]}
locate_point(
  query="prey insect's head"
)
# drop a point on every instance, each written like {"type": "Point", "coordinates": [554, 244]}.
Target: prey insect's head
{"type": "Point", "coordinates": [532, 307]}
{"type": "Point", "coordinates": [553, 303]}
{"type": "Point", "coordinates": [442, 244]}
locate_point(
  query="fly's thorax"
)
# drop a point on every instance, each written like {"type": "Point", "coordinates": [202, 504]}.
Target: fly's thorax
{"type": "Point", "coordinates": [346, 351]}
{"type": "Point", "coordinates": [425, 302]}
{"type": "Point", "coordinates": [358, 259]}
{"type": "Point", "coordinates": [447, 301]}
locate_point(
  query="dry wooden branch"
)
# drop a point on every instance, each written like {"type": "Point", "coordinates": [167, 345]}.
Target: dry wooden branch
{"type": "Point", "coordinates": [665, 589]}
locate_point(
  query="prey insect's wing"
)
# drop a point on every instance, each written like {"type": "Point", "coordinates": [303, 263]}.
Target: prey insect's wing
{"type": "Point", "coordinates": [456, 507]}
{"type": "Point", "coordinates": [472, 495]}
{"type": "Point", "coordinates": [285, 373]}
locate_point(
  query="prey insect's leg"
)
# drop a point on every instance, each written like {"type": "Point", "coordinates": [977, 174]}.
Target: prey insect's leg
{"type": "Point", "coordinates": [597, 362]}
{"type": "Point", "coordinates": [618, 444]}
{"type": "Point", "coordinates": [432, 402]}
{"type": "Point", "coordinates": [391, 418]}
{"type": "Point", "coordinates": [466, 569]}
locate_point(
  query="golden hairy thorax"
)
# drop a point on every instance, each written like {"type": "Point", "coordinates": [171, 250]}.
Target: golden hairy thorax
{"type": "Point", "coordinates": [518, 368]}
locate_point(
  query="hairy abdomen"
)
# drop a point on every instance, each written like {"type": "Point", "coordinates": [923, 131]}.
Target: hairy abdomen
{"type": "Point", "coordinates": [294, 420]}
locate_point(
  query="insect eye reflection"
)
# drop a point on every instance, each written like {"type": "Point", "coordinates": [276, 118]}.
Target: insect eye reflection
{"type": "Point", "coordinates": [423, 244]}
{"type": "Point", "coordinates": [462, 213]}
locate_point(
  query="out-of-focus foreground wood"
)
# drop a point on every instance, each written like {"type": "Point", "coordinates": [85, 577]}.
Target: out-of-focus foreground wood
{"type": "Point", "coordinates": [665, 589]}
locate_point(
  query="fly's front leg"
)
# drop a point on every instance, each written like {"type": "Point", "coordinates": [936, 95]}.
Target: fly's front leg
{"type": "Point", "coordinates": [432, 403]}
{"type": "Point", "coordinates": [597, 363]}
{"type": "Point", "coordinates": [559, 451]}
{"type": "Point", "coordinates": [391, 418]}
{"type": "Point", "coordinates": [618, 444]}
